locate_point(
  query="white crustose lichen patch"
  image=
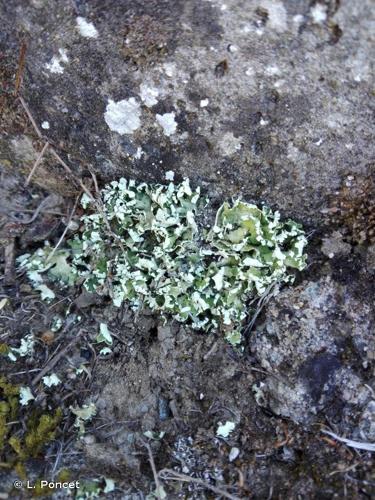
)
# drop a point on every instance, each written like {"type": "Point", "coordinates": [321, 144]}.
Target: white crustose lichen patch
{"type": "Point", "coordinates": [229, 144]}
{"type": "Point", "coordinates": [168, 123]}
{"type": "Point", "coordinates": [277, 15]}
{"type": "Point", "coordinates": [56, 63]}
{"type": "Point", "coordinates": [86, 28]}
{"type": "Point", "coordinates": [25, 396]}
{"type": "Point", "coordinates": [148, 95]}
{"type": "Point", "coordinates": [319, 13]}
{"type": "Point", "coordinates": [123, 116]}
{"type": "Point", "coordinates": [145, 247]}
{"type": "Point", "coordinates": [138, 153]}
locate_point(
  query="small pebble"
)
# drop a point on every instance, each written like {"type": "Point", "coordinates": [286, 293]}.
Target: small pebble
{"type": "Point", "coordinates": [164, 410]}
{"type": "Point", "coordinates": [233, 454]}
{"type": "Point", "coordinates": [169, 176]}
{"type": "Point", "coordinates": [89, 439]}
{"type": "Point", "coordinates": [48, 337]}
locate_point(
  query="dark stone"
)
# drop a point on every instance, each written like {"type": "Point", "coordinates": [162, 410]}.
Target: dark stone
{"type": "Point", "coordinates": [317, 371]}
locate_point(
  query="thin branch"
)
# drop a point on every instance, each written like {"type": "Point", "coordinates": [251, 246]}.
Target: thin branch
{"type": "Point", "coordinates": [171, 475]}
{"type": "Point", "coordinates": [21, 67]}
{"type": "Point", "coordinates": [353, 444]}
{"type": "Point", "coordinates": [24, 371]}
{"type": "Point", "coordinates": [38, 160]}
{"type": "Point", "coordinates": [66, 228]}
{"type": "Point", "coordinates": [70, 172]}
{"type": "Point", "coordinates": [56, 359]}
{"type": "Point", "coordinates": [31, 118]}
{"type": "Point", "coordinates": [153, 467]}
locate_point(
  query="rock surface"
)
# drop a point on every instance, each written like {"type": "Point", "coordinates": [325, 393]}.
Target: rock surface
{"type": "Point", "coordinates": [317, 345]}
{"type": "Point", "coordinates": [285, 88]}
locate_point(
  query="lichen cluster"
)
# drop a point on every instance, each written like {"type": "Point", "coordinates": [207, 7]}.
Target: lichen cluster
{"type": "Point", "coordinates": [143, 244]}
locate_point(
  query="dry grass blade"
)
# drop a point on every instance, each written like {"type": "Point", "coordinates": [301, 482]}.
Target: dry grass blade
{"type": "Point", "coordinates": [53, 361]}
{"type": "Point", "coordinates": [31, 118]}
{"type": "Point", "coordinates": [154, 471]}
{"type": "Point", "coordinates": [262, 302]}
{"type": "Point", "coordinates": [38, 160]}
{"type": "Point", "coordinates": [353, 444]}
{"type": "Point", "coordinates": [21, 67]}
{"type": "Point", "coordinates": [56, 155]}
{"type": "Point", "coordinates": [171, 475]}
{"type": "Point", "coordinates": [66, 228]}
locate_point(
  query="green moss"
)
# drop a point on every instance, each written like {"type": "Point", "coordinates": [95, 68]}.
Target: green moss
{"type": "Point", "coordinates": [7, 388]}
{"type": "Point", "coordinates": [18, 444]}
{"type": "Point", "coordinates": [3, 427]}
{"type": "Point", "coordinates": [64, 475]}
{"type": "Point", "coordinates": [4, 349]}
{"type": "Point", "coordinates": [44, 432]}
{"type": "Point", "coordinates": [8, 408]}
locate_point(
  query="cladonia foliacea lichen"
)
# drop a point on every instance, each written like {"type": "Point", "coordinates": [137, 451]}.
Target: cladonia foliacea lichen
{"type": "Point", "coordinates": [146, 245]}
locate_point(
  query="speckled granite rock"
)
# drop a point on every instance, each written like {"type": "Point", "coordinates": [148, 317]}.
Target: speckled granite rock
{"type": "Point", "coordinates": [317, 346]}
{"type": "Point", "coordinates": [263, 98]}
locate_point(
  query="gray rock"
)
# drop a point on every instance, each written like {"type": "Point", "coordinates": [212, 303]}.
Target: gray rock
{"type": "Point", "coordinates": [284, 114]}
{"type": "Point", "coordinates": [334, 245]}
{"type": "Point", "coordinates": [306, 345]}
{"type": "Point", "coordinates": [87, 299]}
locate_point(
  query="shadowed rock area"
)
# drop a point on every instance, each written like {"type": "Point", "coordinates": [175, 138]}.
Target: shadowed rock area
{"type": "Point", "coordinates": [268, 100]}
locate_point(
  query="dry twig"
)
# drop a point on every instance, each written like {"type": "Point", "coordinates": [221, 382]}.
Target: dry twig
{"type": "Point", "coordinates": [38, 160]}
{"type": "Point", "coordinates": [53, 361]}
{"type": "Point", "coordinates": [66, 228]}
{"type": "Point", "coordinates": [353, 444]}
{"type": "Point", "coordinates": [21, 67]}
{"type": "Point", "coordinates": [153, 467]}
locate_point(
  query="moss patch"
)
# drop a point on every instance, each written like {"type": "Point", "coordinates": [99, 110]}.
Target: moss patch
{"type": "Point", "coordinates": [18, 444]}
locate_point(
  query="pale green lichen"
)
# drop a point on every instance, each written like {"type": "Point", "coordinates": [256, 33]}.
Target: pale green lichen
{"type": "Point", "coordinates": [144, 246]}
{"type": "Point", "coordinates": [83, 414]}
{"type": "Point", "coordinates": [26, 348]}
